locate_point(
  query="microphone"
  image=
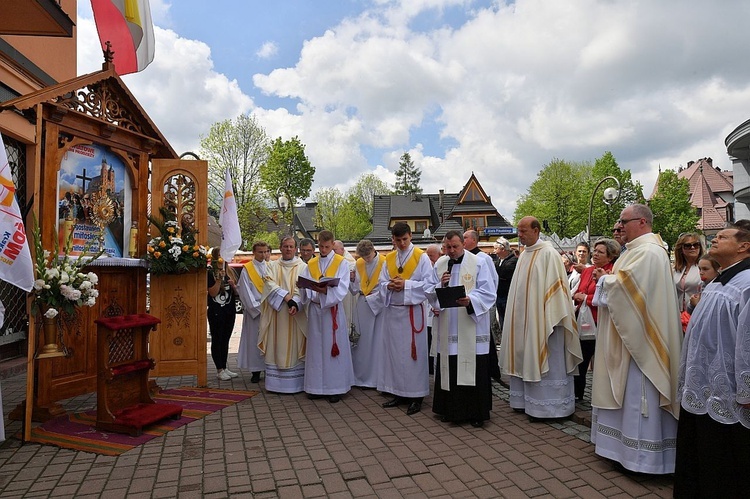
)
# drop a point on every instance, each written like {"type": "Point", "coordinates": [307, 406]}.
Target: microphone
{"type": "Point", "coordinates": [451, 262]}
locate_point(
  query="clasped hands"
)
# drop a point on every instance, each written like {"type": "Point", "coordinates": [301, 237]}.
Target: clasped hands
{"type": "Point", "coordinates": [396, 284]}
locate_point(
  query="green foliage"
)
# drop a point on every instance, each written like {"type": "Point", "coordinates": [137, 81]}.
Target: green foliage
{"type": "Point", "coordinates": [272, 238]}
{"type": "Point", "coordinates": [361, 195]}
{"type": "Point", "coordinates": [287, 171]}
{"type": "Point", "coordinates": [175, 250]}
{"type": "Point", "coordinates": [407, 176]}
{"type": "Point", "coordinates": [555, 196]}
{"type": "Point", "coordinates": [242, 146]}
{"type": "Point", "coordinates": [561, 194]}
{"type": "Point", "coordinates": [673, 213]}
{"type": "Point", "coordinates": [349, 215]}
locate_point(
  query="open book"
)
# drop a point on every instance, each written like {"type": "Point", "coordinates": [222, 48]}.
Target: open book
{"type": "Point", "coordinates": [307, 283]}
{"type": "Point", "coordinates": [449, 295]}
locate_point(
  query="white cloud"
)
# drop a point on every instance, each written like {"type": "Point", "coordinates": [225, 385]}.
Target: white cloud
{"type": "Point", "coordinates": [180, 90]}
{"type": "Point", "coordinates": [518, 84]}
{"type": "Point", "coordinates": [267, 50]}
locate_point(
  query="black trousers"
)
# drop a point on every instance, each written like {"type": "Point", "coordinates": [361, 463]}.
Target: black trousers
{"type": "Point", "coordinates": [712, 458]}
{"type": "Point", "coordinates": [220, 327]}
{"type": "Point", "coordinates": [579, 382]}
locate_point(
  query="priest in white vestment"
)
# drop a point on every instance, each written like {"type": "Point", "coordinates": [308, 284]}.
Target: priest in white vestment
{"type": "Point", "coordinates": [634, 393]}
{"type": "Point", "coordinates": [406, 278]}
{"type": "Point", "coordinates": [283, 323]}
{"type": "Point", "coordinates": [251, 291]}
{"type": "Point", "coordinates": [350, 300]}
{"type": "Point", "coordinates": [367, 347]}
{"type": "Point", "coordinates": [328, 363]}
{"type": "Point", "coordinates": [713, 435]}
{"type": "Point", "coordinates": [540, 346]}
{"type": "Point", "coordinates": [462, 381]}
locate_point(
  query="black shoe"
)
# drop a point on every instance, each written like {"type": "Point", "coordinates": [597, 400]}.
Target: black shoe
{"type": "Point", "coordinates": [445, 419]}
{"type": "Point", "coordinates": [312, 396]}
{"type": "Point", "coordinates": [414, 408]}
{"type": "Point", "coordinates": [477, 424]}
{"type": "Point", "coordinates": [334, 398]}
{"type": "Point", "coordinates": [393, 402]}
{"type": "Point", "coordinates": [255, 378]}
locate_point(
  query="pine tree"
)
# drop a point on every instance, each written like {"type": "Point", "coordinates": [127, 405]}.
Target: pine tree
{"type": "Point", "coordinates": [407, 176]}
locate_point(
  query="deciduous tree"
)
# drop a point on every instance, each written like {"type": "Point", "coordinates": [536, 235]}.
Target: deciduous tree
{"type": "Point", "coordinates": [288, 171]}
{"type": "Point", "coordinates": [673, 212]}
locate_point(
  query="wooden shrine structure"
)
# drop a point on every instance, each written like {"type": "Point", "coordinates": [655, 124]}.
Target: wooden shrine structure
{"type": "Point", "coordinates": [94, 139]}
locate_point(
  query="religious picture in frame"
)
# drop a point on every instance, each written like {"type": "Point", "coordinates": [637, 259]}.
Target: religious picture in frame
{"type": "Point", "coordinates": [93, 193]}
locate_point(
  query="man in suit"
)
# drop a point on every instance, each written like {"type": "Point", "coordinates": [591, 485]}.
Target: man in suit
{"type": "Point", "coordinates": [505, 264]}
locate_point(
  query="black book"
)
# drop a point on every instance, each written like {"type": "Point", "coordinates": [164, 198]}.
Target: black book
{"type": "Point", "coordinates": [448, 296]}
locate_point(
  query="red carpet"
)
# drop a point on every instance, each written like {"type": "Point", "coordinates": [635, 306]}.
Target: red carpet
{"type": "Point", "coordinates": [77, 432]}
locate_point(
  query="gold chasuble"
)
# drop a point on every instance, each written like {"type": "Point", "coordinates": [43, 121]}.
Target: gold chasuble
{"type": "Point", "coordinates": [367, 283]}
{"type": "Point", "coordinates": [409, 266]}
{"type": "Point", "coordinates": [641, 321]}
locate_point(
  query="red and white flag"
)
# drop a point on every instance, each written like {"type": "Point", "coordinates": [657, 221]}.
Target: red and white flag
{"type": "Point", "coordinates": [231, 237]}
{"type": "Point", "coordinates": [127, 26]}
{"type": "Point", "coordinates": [16, 266]}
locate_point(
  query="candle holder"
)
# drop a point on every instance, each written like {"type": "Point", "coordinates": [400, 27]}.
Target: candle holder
{"type": "Point", "coordinates": [102, 214]}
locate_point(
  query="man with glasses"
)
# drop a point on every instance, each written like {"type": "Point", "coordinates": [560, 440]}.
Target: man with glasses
{"type": "Point", "coordinates": [617, 236]}
{"type": "Point", "coordinates": [634, 393]}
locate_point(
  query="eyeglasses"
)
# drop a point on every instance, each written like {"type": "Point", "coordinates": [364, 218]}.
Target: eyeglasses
{"type": "Point", "coordinates": [623, 222]}
{"type": "Point", "coordinates": [691, 245]}
{"type": "Point", "coordinates": [616, 230]}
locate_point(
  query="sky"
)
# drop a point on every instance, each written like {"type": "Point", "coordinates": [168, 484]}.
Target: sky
{"type": "Point", "coordinates": [494, 88]}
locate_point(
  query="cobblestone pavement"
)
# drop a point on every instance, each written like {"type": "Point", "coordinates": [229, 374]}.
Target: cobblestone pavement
{"type": "Point", "coordinates": [288, 446]}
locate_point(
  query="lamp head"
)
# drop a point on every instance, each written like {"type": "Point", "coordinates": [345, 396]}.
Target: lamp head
{"type": "Point", "coordinates": [283, 203]}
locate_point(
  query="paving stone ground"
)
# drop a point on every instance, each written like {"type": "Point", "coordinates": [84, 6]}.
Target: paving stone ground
{"type": "Point", "coordinates": [288, 446]}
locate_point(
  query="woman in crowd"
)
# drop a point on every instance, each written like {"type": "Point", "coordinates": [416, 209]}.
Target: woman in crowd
{"type": "Point", "coordinates": [687, 279]}
{"type": "Point", "coordinates": [605, 253]}
{"type": "Point", "coordinates": [221, 314]}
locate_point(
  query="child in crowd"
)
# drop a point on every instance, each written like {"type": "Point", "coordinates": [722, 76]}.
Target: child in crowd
{"type": "Point", "coordinates": [708, 269]}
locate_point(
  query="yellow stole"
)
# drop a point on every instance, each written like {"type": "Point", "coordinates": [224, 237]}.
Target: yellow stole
{"type": "Point", "coordinates": [255, 277]}
{"type": "Point", "coordinates": [314, 266]}
{"type": "Point", "coordinates": [368, 282]}
{"type": "Point", "coordinates": [409, 266]}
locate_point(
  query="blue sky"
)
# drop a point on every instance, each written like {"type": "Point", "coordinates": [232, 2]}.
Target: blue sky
{"type": "Point", "coordinates": [496, 88]}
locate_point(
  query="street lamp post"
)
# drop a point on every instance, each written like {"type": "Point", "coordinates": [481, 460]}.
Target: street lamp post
{"type": "Point", "coordinates": [611, 195]}
{"type": "Point", "coordinates": [284, 205]}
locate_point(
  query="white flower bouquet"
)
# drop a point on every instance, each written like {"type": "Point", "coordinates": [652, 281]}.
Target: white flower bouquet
{"type": "Point", "coordinates": [60, 285]}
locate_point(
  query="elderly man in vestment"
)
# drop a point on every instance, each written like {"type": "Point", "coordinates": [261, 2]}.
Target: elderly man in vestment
{"type": "Point", "coordinates": [328, 364]}
{"type": "Point", "coordinates": [406, 278]}
{"type": "Point", "coordinates": [251, 291]}
{"type": "Point", "coordinates": [713, 434]}
{"type": "Point", "coordinates": [283, 324]}
{"type": "Point", "coordinates": [540, 345]}
{"type": "Point", "coordinates": [634, 393]}
{"type": "Point", "coordinates": [367, 352]}
{"type": "Point", "coordinates": [462, 381]}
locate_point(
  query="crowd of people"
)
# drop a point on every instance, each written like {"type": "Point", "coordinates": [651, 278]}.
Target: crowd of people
{"type": "Point", "coordinates": [665, 342]}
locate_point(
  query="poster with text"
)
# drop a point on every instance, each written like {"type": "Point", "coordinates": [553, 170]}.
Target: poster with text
{"type": "Point", "coordinates": [93, 180]}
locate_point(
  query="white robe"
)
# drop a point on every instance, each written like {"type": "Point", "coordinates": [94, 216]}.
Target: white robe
{"type": "Point", "coordinates": [636, 366]}
{"type": "Point", "coordinates": [324, 373]}
{"type": "Point", "coordinates": [367, 353]}
{"type": "Point", "coordinates": [249, 355]}
{"type": "Point", "coordinates": [282, 337]}
{"type": "Point", "coordinates": [540, 345]}
{"type": "Point", "coordinates": [401, 375]}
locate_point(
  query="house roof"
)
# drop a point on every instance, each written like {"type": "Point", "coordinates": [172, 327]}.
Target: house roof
{"type": "Point", "coordinates": [717, 180]}
{"type": "Point", "coordinates": [90, 94]}
{"type": "Point", "coordinates": [469, 200]}
{"type": "Point", "coordinates": [706, 183]}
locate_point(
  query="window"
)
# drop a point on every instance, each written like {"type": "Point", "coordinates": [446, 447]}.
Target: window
{"type": "Point", "coordinates": [420, 226]}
